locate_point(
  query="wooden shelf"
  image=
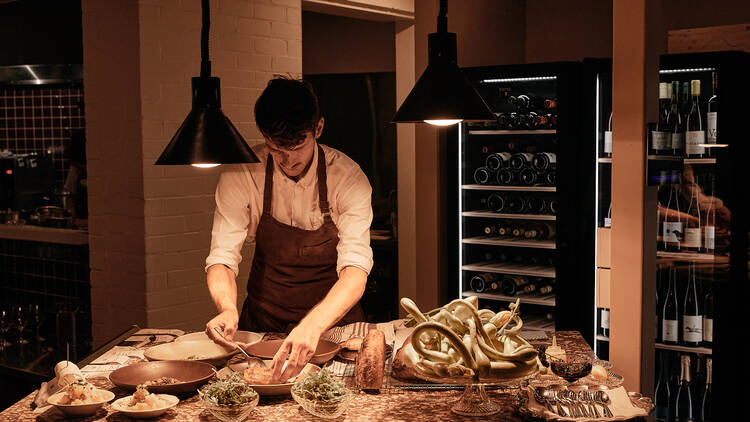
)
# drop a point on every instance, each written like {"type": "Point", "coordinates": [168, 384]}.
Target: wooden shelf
{"type": "Point", "coordinates": [683, 159]}
{"type": "Point", "coordinates": [543, 300]}
{"type": "Point", "coordinates": [513, 132]}
{"type": "Point", "coordinates": [678, 348]}
{"type": "Point", "coordinates": [518, 243]}
{"type": "Point", "coordinates": [691, 256]}
{"type": "Point", "coordinates": [602, 338]}
{"type": "Point", "coordinates": [490, 214]}
{"type": "Point", "coordinates": [510, 188]}
{"type": "Point", "coordinates": [505, 268]}
{"type": "Point", "coordinates": [604, 160]}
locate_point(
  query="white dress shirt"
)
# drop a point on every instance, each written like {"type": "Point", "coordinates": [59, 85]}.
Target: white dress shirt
{"type": "Point", "coordinates": [239, 205]}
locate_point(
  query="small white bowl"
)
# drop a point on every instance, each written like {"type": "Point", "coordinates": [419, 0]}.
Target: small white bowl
{"type": "Point", "coordinates": [79, 410]}
{"type": "Point", "coordinates": [121, 405]}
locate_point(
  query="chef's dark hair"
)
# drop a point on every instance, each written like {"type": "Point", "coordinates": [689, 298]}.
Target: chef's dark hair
{"type": "Point", "coordinates": [286, 110]}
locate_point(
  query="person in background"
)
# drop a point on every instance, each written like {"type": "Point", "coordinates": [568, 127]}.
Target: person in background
{"type": "Point", "coordinates": [307, 208]}
{"type": "Point", "coordinates": [75, 181]}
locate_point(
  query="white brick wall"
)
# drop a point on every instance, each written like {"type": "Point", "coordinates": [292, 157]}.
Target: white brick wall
{"type": "Point", "coordinates": [150, 226]}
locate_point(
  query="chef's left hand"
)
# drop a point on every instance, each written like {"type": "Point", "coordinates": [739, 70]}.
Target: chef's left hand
{"type": "Point", "coordinates": [299, 346]}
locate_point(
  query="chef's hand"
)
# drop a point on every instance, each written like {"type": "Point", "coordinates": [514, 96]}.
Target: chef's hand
{"type": "Point", "coordinates": [227, 322]}
{"type": "Point", "coordinates": [299, 346]}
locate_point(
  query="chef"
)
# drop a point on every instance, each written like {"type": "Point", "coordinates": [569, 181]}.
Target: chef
{"type": "Point", "coordinates": [307, 209]}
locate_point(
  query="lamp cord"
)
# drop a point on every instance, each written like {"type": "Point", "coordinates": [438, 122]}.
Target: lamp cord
{"type": "Point", "coordinates": [442, 20]}
{"type": "Point", "coordinates": [205, 27]}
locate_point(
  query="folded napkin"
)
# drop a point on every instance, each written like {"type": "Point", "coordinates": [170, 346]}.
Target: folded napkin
{"type": "Point", "coordinates": [621, 406]}
{"type": "Point", "coordinates": [66, 373]}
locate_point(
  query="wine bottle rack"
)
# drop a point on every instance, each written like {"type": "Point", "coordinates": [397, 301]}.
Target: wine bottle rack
{"type": "Point", "coordinates": [684, 160]}
{"type": "Point", "coordinates": [686, 349]}
{"type": "Point", "coordinates": [602, 338]}
{"type": "Point", "coordinates": [531, 299]}
{"type": "Point", "coordinates": [519, 243]}
{"type": "Point", "coordinates": [490, 214]}
{"type": "Point", "coordinates": [604, 160]}
{"type": "Point", "coordinates": [514, 132]}
{"type": "Point", "coordinates": [687, 256]}
{"type": "Point", "coordinates": [518, 269]}
{"type": "Point", "coordinates": [511, 188]}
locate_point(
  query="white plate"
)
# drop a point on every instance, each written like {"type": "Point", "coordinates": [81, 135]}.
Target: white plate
{"type": "Point", "coordinates": [121, 405]}
{"type": "Point", "coordinates": [274, 389]}
{"type": "Point", "coordinates": [247, 337]}
{"type": "Point", "coordinates": [80, 410]}
{"type": "Point", "coordinates": [205, 351]}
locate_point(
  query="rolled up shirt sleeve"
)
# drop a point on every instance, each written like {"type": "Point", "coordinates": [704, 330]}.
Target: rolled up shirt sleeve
{"type": "Point", "coordinates": [231, 218]}
{"type": "Point", "coordinates": [354, 207]}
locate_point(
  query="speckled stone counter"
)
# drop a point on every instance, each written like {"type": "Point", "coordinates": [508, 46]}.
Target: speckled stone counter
{"type": "Point", "coordinates": [389, 405]}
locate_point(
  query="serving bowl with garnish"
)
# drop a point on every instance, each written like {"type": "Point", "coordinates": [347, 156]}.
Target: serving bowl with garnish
{"type": "Point", "coordinates": [262, 384]}
{"type": "Point", "coordinates": [144, 404]}
{"type": "Point", "coordinates": [572, 366]}
{"type": "Point", "coordinates": [322, 395]}
{"type": "Point", "coordinates": [80, 399]}
{"type": "Point", "coordinates": [160, 376]}
{"type": "Point", "coordinates": [230, 399]}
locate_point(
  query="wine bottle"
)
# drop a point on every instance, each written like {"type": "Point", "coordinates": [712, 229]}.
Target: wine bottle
{"type": "Point", "coordinates": [712, 115]}
{"type": "Point", "coordinates": [497, 160]}
{"type": "Point", "coordinates": [608, 218]}
{"type": "Point", "coordinates": [506, 176]}
{"type": "Point", "coordinates": [490, 229]}
{"type": "Point", "coordinates": [550, 177]}
{"type": "Point", "coordinates": [695, 136]}
{"type": "Point", "coordinates": [484, 281]}
{"type": "Point", "coordinates": [529, 177]}
{"type": "Point", "coordinates": [684, 402]}
{"type": "Point", "coordinates": [661, 392]}
{"type": "Point", "coordinates": [495, 202]}
{"type": "Point", "coordinates": [504, 229]}
{"type": "Point", "coordinates": [520, 160]}
{"type": "Point", "coordinates": [536, 205]}
{"type": "Point", "coordinates": [693, 225]}
{"type": "Point", "coordinates": [672, 225]}
{"type": "Point", "coordinates": [511, 284]}
{"type": "Point", "coordinates": [519, 231]}
{"type": "Point", "coordinates": [483, 176]}
{"type": "Point", "coordinates": [661, 139]}
{"type": "Point", "coordinates": [540, 231]}
{"type": "Point", "coordinates": [608, 138]}
{"type": "Point", "coordinates": [709, 224]}
{"type": "Point", "coordinates": [706, 415]}
{"type": "Point", "coordinates": [669, 321]}
{"type": "Point", "coordinates": [546, 289]}
{"type": "Point", "coordinates": [708, 318]}
{"type": "Point", "coordinates": [676, 122]}
{"type": "Point", "coordinates": [604, 322]}
{"type": "Point", "coordinates": [515, 204]}
{"type": "Point", "coordinates": [553, 206]}
{"type": "Point", "coordinates": [692, 317]}
{"type": "Point", "coordinates": [543, 160]}
{"type": "Point", "coordinates": [529, 288]}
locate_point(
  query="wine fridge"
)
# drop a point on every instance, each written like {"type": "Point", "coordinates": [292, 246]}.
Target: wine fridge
{"type": "Point", "coordinates": [518, 197]}
{"type": "Point", "coordinates": [697, 164]}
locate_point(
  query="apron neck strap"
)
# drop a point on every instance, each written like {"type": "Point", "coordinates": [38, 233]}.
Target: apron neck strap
{"type": "Point", "coordinates": [325, 208]}
{"type": "Point", "coordinates": [268, 190]}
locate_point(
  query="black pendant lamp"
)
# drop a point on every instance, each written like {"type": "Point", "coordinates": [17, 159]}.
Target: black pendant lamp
{"type": "Point", "coordinates": [443, 95]}
{"type": "Point", "coordinates": [206, 138]}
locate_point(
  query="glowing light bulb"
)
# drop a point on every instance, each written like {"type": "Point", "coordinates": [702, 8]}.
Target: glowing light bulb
{"type": "Point", "coordinates": [205, 165]}
{"type": "Point", "coordinates": [447, 122]}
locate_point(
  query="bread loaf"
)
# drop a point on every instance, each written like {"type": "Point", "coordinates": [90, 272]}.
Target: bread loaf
{"type": "Point", "coordinates": [371, 361]}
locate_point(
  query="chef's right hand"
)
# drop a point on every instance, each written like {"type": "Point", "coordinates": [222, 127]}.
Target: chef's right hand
{"type": "Point", "coordinates": [227, 322]}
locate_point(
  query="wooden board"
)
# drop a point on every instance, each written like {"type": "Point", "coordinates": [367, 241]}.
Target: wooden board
{"type": "Point", "coordinates": [712, 38]}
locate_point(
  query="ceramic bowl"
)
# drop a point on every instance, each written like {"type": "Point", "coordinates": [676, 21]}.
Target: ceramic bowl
{"type": "Point", "coordinates": [191, 375]}
{"type": "Point", "coordinates": [80, 410]}
{"type": "Point", "coordinates": [121, 405]}
{"type": "Point", "coordinates": [200, 350]}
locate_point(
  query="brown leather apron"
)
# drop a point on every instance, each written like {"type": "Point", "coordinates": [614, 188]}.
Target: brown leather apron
{"type": "Point", "coordinates": [293, 268]}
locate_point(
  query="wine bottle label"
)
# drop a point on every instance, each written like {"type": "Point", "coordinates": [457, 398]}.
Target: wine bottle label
{"type": "Point", "coordinates": [607, 222]}
{"type": "Point", "coordinates": [692, 237]}
{"type": "Point", "coordinates": [708, 329]}
{"type": "Point", "coordinates": [711, 127]}
{"type": "Point", "coordinates": [605, 319]}
{"type": "Point", "coordinates": [608, 142]}
{"type": "Point", "coordinates": [693, 141]}
{"type": "Point", "coordinates": [672, 231]}
{"type": "Point", "coordinates": [661, 141]}
{"type": "Point", "coordinates": [678, 141]}
{"type": "Point", "coordinates": [692, 328]}
{"type": "Point", "coordinates": [669, 330]}
{"type": "Point", "coordinates": [709, 237]}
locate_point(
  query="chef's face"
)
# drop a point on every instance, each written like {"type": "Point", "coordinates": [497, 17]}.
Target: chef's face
{"type": "Point", "coordinates": [295, 160]}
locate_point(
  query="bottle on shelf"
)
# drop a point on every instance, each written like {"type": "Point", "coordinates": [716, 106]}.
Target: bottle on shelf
{"type": "Point", "coordinates": [515, 204]}
{"type": "Point", "coordinates": [506, 176]}
{"type": "Point", "coordinates": [536, 205]}
{"type": "Point", "coordinates": [676, 122]}
{"type": "Point", "coordinates": [553, 206]}
{"type": "Point", "coordinates": [528, 177]}
{"type": "Point", "coordinates": [661, 392]}
{"type": "Point", "coordinates": [519, 231]}
{"type": "Point", "coordinates": [495, 257]}
{"type": "Point", "coordinates": [695, 136]}
{"type": "Point", "coordinates": [546, 289]}
{"type": "Point", "coordinates": [712, 114]}
{"type": "Point", "coordinates": [497, 160]}
{"type": "Point", "coordinates": [490, 229]}
{"type": "Point", "coordinates": [495, 202]}
{"type": "Point", "coordinates": [543, 160]}
{"type": "Point", "coordinates": [692, 317]}
{"type": "Point", "coordinates": [661, 137]}
{"type": "Point", "coordinates": [520, 160]}
{"type": "Point", "coordinates": [709, 222]}
{"type": "Point", "coordinates": [504, 229]}
{"type": "Point", "coordinates": [483, 176]}
{"type": "Point", "coordinates": [708, 318]}
{"type": "Point", "coordinates": [608, 138]}
{"type": "Point", "coordinates": [550, 177]}
{"type": "Point", "coordinates": [530, 288]}
{"type": "Point", "coordinates": [672, 227]}
{"type": "Point", "coordinates": [540, 231]}
{"type": "Point", "coordinates": [511, 284]}
{"type": "Point", "coordinates": [706, 414]}
{"type": "Point", "coordinates": [484, 282]}
{"type": "Point", "coordinates": [604, 321]}
{"type": "Point", "coordinates": [608, 218]}
{"type": "Point", "coordinates": [684, 400]}
{"type": "Point", "coordinates": [693, 223]}
{"type": "Point", "coordinates": [669, 317]}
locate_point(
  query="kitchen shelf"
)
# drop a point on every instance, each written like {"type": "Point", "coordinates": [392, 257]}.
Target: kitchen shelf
{"type": "Point", "coordinates": [490, 214]}
{"type": "Point", "coordinates": [604, 159]}
{"type": "Point", "coordinates": [683, 159]}
{"type": "Point", "coordinates": [543, 300]}
{"type": "Point", "coordinates": [678, 348]}
{"type": "Point", "coordinates": [602, 338]}
{"type": "Point", "coordinates": [511, 188]}
{"type": "Point", "coordinates": [519, 243]}
{"type": "Point", "coordinates": [513, 132]}
{"type": "Point", "coordinates": [505, 268]}
{"type": "Point", "coordinates": [692, 256]}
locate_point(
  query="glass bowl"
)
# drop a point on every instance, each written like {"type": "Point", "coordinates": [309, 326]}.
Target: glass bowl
{"type": "Point", "coordinates": [573, 367]}
{"type": "Point", "coordinates": [231, 413]}
{"type": "Point", "coordinates": [328, 410]}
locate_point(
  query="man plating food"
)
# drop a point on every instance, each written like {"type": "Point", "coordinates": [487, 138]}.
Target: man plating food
{"type": "Point", "coordinates": [307, 209]}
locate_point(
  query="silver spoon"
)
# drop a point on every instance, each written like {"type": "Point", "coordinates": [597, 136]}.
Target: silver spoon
{"type": "Point", "coordinates": [538, 395]}
{"type": "Point", "coordinates": [603, 399]}
{"type": "Point", "coordinates": [584, 397]}
{"type": "Point", "coordinates": [251, 360]}
{"type": "Point", "coordinates": [552, 397]}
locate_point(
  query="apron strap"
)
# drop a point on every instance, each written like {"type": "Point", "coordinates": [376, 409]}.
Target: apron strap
{"type": "Point", "coordinates": [268, 190]}
{"type": "Point", "coordinates": [325, 208]}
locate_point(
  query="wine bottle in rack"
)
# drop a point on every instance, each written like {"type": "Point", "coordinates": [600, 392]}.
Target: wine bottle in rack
{"type": "Point", "coordinates": [709, 222]}
{"type": "Point", "coordinates": [553, 206]}
{"type": "Point", "coordinates": [540, 231]}
{"type": "Point", "coordinates": [661, 391]}
{"type": "Point", "coordinates": [483, 176]}
{"type": "Point", "coordinates": [495, 202]}
{"type": "Point", "coordinates": [543, 160]}
{"type": "Point", "coordinates": [506, 176]}
{"type": "Point", "coordinates": [511, 284]}
{"type": "Point", "coordinates": [536, 205]}
{"type": "Point", "coordinates": [661, 138]}
{"type": "Point", "coordinates": [529, 177]}
{"type": "Point", "coordinates": [706, 414]}
{"type": "Point", "coordinates": [550, 177]}
{"type": "Point", "coordinates": [669, 317]}
{"type": "Point", "coordinates": [496, 257]}
{"type": "Point", "coordinates": [608, 218]}
{"type": "Point", "coordinates": [504, 229]}
{"type": "Point", "coordinates": [712, 115]}
{"type": "Point", "coordinates": [684, 401]}
{"type": "Point", "coordinates": [693, 224]}
{"type": "Point", "coordinates": [520, 160]}
{"type": "Point", "coordinates": [692, 317]}
{"type": "Point", "coordinates": [672, 227]}
{"type": "Point", "coordinates": [676, 122]}
{"type": "Point", "coordinates": [519, 230]}
{"type": "Point", "coordinates": [497, 160]}
{"type": "Point", "coordinates": [695, 136]}
{"type": "Point", "coordinates": [608, 138]}
{"type": "Point", "coordinates": [530, 288]}
{"type": "Point", "coordinates": [708, 318]}
{"type": "Point", "coordinates": [490, 229]}
{"type": "Point", "coordinates": [604, 321]}
{"type": "Point", "coordinates": [515, 204]}
{"type": "Point", "coordinates": [546, 289]}
{"type": "Point", "coordinates": [484, 282]}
